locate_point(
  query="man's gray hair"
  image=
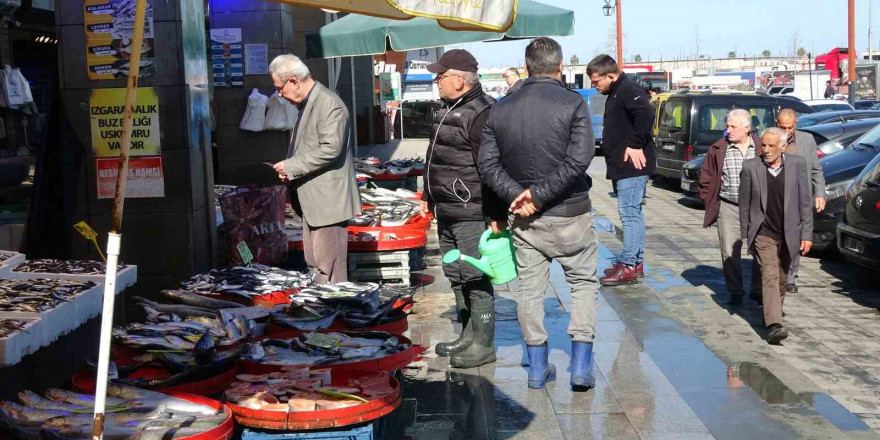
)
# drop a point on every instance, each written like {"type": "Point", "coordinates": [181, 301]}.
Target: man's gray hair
{"type": "Point", "coordinates": [780, 134]}
{"type": "Point", "coordinates": [471, 79]}
{"type": "Point", "coordinates": [741, 115]}
{"type": "Point", "coordinates": [289, 66]}
{"type": "Point", "coordinates": [512, 71]}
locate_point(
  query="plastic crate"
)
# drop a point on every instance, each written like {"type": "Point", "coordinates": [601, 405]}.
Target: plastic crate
{"type": "Point", "coordinates": [381, 274]}
{"type": "Point", "coordinates": [359, 433]}
{"type": "Point", "coordinates": [366, 260]}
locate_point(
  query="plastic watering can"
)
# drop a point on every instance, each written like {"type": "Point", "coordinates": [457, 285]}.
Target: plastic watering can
{"type": "Point", "coordinates": [496, 257]}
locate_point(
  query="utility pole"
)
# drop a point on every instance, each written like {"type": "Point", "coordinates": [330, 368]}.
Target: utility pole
{"type": "Point", "coordinates": [851, 51]}
{"type": "Point", "coordinates": [870, 55]}
{"type": "Point", "coordinates": [619, 34]}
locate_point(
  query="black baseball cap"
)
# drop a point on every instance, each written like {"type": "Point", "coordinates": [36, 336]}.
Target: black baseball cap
{"type": "Point", "coordinates": [456, 59]}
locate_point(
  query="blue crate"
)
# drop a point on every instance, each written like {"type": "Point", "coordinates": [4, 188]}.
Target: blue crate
{"type": "Point", "coordinates": [359, 433]}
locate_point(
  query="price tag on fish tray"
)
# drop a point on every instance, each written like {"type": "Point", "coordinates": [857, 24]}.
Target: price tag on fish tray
{"type": "Point", "coordinates": [89, 234]}
{"type": "Point", "coordinates": [245, 252]}
{"type": "Point", "coordinates": [322, 340]}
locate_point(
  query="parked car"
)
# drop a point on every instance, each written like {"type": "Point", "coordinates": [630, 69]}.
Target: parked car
{"type": "Point", "coordinates": [835, 136]}
{"type": "Point", "coordinates": [827, 105]}
{"type": "Point", "coordinates": [836, 116]}
{"type": "Point", "coordinates": [867, 104]}
{"type": "Point", "coordinates": [596, 101]}
{"type": "Point", "coordinates": [690, 122]}
{"type": "Point", "coordinates": [858, 233]}
{"type": "Point", "coordinates": [417, 118]}
{"type": "Point", "coordinates": [690, 177]}
{"type": "Point", "coordinates": [780, 90]}
{"type": "Point", "coordinates": [840, 171]}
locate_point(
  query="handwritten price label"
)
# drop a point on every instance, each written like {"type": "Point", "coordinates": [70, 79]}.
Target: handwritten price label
{"type": "Point", "coordinates": [245, 253]}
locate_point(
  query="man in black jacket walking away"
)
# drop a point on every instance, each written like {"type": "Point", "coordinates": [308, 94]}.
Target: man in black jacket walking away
{"type": "Point", "coordinates": [537, 146]}
{"type": "Point", "coordinates": [630, 158]}
{"type": "Point", "coordinates": [461, 204]}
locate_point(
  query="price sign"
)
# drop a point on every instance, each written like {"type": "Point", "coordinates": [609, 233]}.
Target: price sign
{"type": "Point", "coordinates": [89, 234]}
{"type": "Point", "coordinates": [245, 253]}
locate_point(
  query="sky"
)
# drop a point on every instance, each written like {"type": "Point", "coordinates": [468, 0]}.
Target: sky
{"type": "Point", "coordinates": [669, 29]}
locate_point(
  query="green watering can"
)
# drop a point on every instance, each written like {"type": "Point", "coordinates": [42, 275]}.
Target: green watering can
{"type": "Point", "coordinates": [497, 259]}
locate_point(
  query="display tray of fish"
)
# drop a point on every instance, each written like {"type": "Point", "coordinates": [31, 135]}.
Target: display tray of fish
{"type": "Point", "coordinates": [11, 326]}
{"type": "Point", "coordinates": [376, 350]}
{"type": "Point", "coordinates": [76, 267]}
{"type": "Point", "coordinates": [344, 305]}
{"type": "Point", "coordinates": [303, 398]}
{"type": "Point", "coordinates": [132, 414]}
{"type": "Point", "coordinates": [246, 281]}
{"type": "Point", "coordinates": [39, 294]}
{"type": "Point", "coordinates": [387, 215]}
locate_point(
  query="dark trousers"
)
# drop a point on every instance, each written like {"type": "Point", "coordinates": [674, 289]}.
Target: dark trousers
{"type": "Point", "coordinates": [326, 251]}
{"type": "Point", "coordinates": [773, 257]}
{"type": "Point", "coordinates": [468, 283]}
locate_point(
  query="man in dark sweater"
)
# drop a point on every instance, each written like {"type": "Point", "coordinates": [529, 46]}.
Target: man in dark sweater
{"type": "Point", "coordinates": [630, 158]}
{"type": "Point", "coordinates": [776, 217]}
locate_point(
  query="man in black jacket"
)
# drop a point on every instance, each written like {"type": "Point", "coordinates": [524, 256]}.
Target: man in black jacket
{"type": "Point", "coordinates": [462, 205]}
{"type": "Point", "coordinates": [630, 158]}
{"type": "Point", "coordinates": [537, 146]}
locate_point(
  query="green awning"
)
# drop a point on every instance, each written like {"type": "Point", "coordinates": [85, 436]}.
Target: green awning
{"type": "Point", "coordinates": [355, 35]}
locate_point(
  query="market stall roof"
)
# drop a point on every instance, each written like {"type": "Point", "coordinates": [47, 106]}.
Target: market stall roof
{"type": "Point", "coordinates": [356, 35]}
{"type": "Point", "coordinates": [458, 15]}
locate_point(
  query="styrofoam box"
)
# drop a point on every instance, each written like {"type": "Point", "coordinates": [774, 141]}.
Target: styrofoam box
{"type": "Point", "coordinates": [8, 264]}
{"type": "Point", "coordinates": [124, 278]}
{"type": "Point", "coordinates": [22, 343]}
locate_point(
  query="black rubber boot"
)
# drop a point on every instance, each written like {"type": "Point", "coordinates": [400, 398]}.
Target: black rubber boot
{"type": "Point", "coordinates": [464, 339]}
{"type": "Point", "coordinates": [482, 350]}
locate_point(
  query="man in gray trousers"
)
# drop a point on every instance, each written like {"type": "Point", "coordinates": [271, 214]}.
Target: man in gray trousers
{"type": "Point", "coordinates": [776, 220]}
{"type": "Point", "coordinates": [318, 168]}
{"type": "Point", "coordinates": [801, 143]}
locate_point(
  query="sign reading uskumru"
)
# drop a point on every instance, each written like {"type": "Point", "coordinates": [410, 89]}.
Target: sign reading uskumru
{"type": "Point", "coordinates": [106, 111]}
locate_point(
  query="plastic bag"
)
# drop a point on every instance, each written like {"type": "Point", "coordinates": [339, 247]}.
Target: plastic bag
{"type": "Point", "coordinates": [255, 116]}
{"type": "Point", "coordinates": [277, 115]}
{"type": "Point", "coordinates": [12, 88]}
{"type": "Point", "coordinates": [255, 215]}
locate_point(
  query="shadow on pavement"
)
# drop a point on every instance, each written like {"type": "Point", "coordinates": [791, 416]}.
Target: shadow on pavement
{"type": "Point", "coordinates": [713, 278]}
{"type": "Point", "coordinates": [690, 202]}
{"type": "Point", "coordinates": [852, 281]}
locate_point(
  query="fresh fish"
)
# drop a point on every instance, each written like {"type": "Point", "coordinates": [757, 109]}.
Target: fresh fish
{"type": "Point", "coordinates": [192, 299]}
{"type": "Point", "coordinates": [38, 295]}
{"type": "Point", "coordinates": [64, 266]}
{"type": "Point", "coordinates": [176, 309]}
{"type": "Point", "coordinates": [319, 323]}
{"type": "Point", "coordinates": [364, 352]}
{"type": "Point", "coordinates": [85, 400]}
{"type": "Point", "coordinates": [205, 349]}
{"type": "Point", "coordinates": [25, 416]}
{"type": "Point", "coordinates": [256, 352]}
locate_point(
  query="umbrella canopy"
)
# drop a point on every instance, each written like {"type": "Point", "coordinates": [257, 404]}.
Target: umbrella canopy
{"type": "Point", "coordinates": [476, 15]}
{"type": "Point", "coordinates": [356, 35]}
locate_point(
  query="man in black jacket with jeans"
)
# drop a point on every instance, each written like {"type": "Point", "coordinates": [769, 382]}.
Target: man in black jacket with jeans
{"type": "Point", "coordinates": [537, 146]}
{"type": "Point", "coordinates": [630, 158]}
{"type": "Point", "coordinates": [462, 205]}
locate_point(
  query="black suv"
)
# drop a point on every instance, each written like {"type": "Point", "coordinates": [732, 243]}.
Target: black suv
{"type": "Point", "coordinates": [691, 121]}
{"type": "Point", "coordinates": [858, 233]}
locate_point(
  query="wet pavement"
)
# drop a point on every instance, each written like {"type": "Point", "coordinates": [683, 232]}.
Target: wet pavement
{"type": "Point", "coordinates": [673, 361]}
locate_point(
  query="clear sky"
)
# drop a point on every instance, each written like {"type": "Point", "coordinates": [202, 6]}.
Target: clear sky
{"type": "Point", "coordinates": [671, 28]}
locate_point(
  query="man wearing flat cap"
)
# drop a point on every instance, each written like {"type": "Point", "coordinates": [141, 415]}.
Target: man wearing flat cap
{"type": "Point", "coordinates": [462, 205]}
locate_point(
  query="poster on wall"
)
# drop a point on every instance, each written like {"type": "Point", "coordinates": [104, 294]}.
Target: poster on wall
{"type": "Point", "coordinates": [227, 57]}
{"type": "Point", "coordinates": [106, 109]}
{"type": "Point", "coordinates": [109, 25]}
{"type": "Point", "coordinates": [146, 178]}
{"type": "Point", "coordinates": [257, 56]}
{"type": "Point", "coordinates": [866, 82]}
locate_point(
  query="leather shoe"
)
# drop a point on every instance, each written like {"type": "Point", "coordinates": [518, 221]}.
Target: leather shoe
{"type": "Point", "coordinates": [623, 275]}
{"type": "Point", "coordinates": [777, 334]}
{"type": "Point", "coordinates": [791, 288]}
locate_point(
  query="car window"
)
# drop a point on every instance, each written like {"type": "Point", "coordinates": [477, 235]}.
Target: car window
{"type": "Point", "coordinates": [830, 107]}
{"type": "Point", "coordinates": [597, 105]}
{"type": "Point", "coordinates": [712, 120]}
{"type": "Point", "coordinates": [673, 115]}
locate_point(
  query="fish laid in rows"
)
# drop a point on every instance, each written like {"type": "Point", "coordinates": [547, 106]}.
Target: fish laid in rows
{"type": "Point", "coordinates": [133, 414]}
{"type": "Point", "coordinates": [325, 348]}
{"type": "Point", "coordinates": [38, 295]}
{"type": "Point", "coordinates": [246, 281]}
{"type": "Point", "coordinates": [357, 305]}
{"type": "Point", "coordinates": [76, 267]}
{"type": "Point", "coordinates": [299, 389]}
{"type": "Point", "coordinates": [9, 326]}
{"type": "Point", "coordinates": [180, 334]}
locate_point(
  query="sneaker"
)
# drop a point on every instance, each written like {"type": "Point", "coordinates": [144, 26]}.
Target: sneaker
{"type": "Point", "coordinates": [777, 334]}
{"type": "Point", "coordinates": [791, 288]}
{"type": "Point", "coordinates": [640, 269]}
{"type": "Point", "coordinates": [623, 275]}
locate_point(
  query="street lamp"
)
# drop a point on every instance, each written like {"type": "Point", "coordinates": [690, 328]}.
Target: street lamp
{"type": "Point", "coordinates": [607, 11]}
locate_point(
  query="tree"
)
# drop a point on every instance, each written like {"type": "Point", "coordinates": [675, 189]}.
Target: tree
{"type": "Point", "coordinates": [794, 42]}
{"type": "Point", "coordinates": [801, 52]}
{"type": "Point", "coordinates": [765, 53]}
{"type": "Point", "coordinates": [731, 54]}
{"type": "Point", "coordinates": [575, 60]}
{"type": "Point", "coordinates": [637, 58]}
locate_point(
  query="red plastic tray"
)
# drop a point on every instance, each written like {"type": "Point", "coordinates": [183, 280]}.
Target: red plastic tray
{"type": "Point", "coordinates": [415, 173]}
{"type": "Point", "coordinates": [222, 432]}
{"type": "Point", "coordinates": [84, 381]}
{"type": "Point", "coordinates": [275, 331]}
{"type": "Point", "coordinates": [407, 238]}
{"type": "Point", "coordinates": [387, 363]}
{"type": "Point", "coordinates": [322, 419]}
{"type": "Point", "coordinates": [385, 177]}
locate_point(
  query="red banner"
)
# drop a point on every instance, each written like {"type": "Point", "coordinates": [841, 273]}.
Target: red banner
{"type": "Point", "coordinates": [146, 178]}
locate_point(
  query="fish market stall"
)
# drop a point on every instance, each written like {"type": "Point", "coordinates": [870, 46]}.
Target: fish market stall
{"type": "Point", "coordinates": [254, 284]}
{"type": "Point", "coordinates": [399, 173]}
{"type": "Point", "coordinates": [79, 270]}
{"type": "Point", "coordinates": [9, 259]}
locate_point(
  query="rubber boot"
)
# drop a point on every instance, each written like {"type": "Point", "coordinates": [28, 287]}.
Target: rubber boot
{"type": "Point", "coordinates": [582, 378]}
{"type": "Point", "coordinates": [481, 351]}
{"type": "Point", "coordinates": [540, 370]}
{"type": "Point", "coordinates": [464, 339]}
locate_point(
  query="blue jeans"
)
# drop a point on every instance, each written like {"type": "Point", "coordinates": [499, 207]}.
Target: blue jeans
{"type": "Point", "coordinates": [630, 196]}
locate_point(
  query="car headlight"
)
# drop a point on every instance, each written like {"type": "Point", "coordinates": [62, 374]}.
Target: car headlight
{"type": "Point", "coordinates": [838, 189]}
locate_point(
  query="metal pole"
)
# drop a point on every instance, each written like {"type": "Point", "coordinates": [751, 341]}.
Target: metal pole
{"type": "Point", "coordinates": [354, 138]}
{"type": "Point", "coordinates": [619, 35]}
{"type": "Point", "coordinates": [870, 55]}
{"type": "Point", "coordinates": [114, 239]}
{"type": "Point", "coordinates": [852, 51]}
{"type": "Point", "coordinates": [810, 66]}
